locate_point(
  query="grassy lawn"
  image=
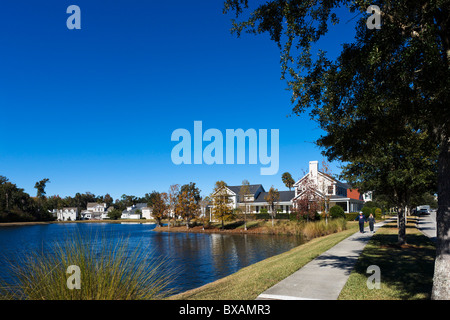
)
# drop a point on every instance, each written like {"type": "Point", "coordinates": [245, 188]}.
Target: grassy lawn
{"type": "Point", "coordinates": [249, 282]}
{"type": "Point", "coordinates": [406, 271]}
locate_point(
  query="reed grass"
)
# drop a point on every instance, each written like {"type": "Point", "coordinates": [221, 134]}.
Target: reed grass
{"type": "Point", "coordinates": [308, 230]}
{"type": "Point", "coordinates": [109, 270]}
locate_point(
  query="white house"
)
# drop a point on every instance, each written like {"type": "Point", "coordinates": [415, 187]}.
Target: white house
{"type": "Point", "coordinates": [94, 211]}
{"type": "Point", "coordinates": [282, 205]}
{"type": "Point", "coordinates": [147, 212]}
{"type": "Point", "coordinates": [134, 211]}
{"type": "Point", "coordinates": [328, 188]}
{"type": "Point", "coordinates": [255, 200]}
{"type": "Point", "coordinates": [367, 196]}
{"type": "Point", "coordinates": [234, 194]}
{"type": "Point", "coordinates": [67, 214]}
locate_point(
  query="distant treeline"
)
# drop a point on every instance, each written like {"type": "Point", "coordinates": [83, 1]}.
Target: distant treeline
{"type": "Point", "coordinates": [18, 206]}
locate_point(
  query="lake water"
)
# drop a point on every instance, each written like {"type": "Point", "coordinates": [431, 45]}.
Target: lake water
{"type": "Point", "coordinates": [199, 257]}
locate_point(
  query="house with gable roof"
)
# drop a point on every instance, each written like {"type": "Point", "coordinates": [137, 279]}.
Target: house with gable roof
{"type": "Point", "coordinates": [329, 188]}
{"type": "Point", "coordinates": [255, 199]}
{"type": "Point", "coordinates": [95, 211]}
{"type": "Point", "coordinates": [136, 211]}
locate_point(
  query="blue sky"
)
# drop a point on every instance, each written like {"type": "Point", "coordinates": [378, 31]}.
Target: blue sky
{"type": "Point", "coordinates": [94, 109]}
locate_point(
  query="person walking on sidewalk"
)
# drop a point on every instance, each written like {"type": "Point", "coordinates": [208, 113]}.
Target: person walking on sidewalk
{"type": "Point", "coordinates": [361, 219]}
{"type": "Point", "coordinates": [371, 222]}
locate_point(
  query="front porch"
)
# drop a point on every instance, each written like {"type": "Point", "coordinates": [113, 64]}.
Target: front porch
{"type": "Point", "coordinates": [281, 207]}
{"type": "Point", "coordinates": [348, 204]}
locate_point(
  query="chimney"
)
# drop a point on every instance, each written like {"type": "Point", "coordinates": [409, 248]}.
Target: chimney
{"type": "Point", "coordinates": [313, 168]}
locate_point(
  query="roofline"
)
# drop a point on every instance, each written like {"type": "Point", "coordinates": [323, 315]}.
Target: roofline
{"type": "Point", "coordinates": [326, 176]}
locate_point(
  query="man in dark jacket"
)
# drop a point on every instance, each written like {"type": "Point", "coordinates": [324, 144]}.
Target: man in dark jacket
{"type": "Point", "coordinates": [361, 220]}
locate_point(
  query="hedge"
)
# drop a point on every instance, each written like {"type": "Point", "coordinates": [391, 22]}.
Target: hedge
{"type": "Point", "coordinates": [351, 216]}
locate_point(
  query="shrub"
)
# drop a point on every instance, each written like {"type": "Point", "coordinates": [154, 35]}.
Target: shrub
{"type": "Point", "coordinates": [337, 212]}
{"type": "Point", "coordinates": [282, 216]}
{"type": "Point", "coordinates": [377, 213]}
{"type": "Point", "coordinates": [115, 214]}
{"type": "Point", "coordinates": [366, 211]}
{"type": "Point", "coordinates": [297, 215]}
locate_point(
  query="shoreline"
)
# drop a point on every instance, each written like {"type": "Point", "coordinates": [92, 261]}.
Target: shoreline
{"type": "Point", "coordinates": [31, 223]}
{"type": "Point", "coordinates": [199, 229]}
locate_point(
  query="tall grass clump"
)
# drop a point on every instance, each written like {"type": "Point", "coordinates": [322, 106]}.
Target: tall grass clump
{"type": "Point", "coordinates": [294, 228]}
{"type": "Point", "coordinates": [308, 230]}
{"type": "Point", "coordinates": [109, 270]}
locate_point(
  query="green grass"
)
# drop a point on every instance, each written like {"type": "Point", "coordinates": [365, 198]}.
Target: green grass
{"type": "Point", "coordinates": [107, 272]}
{"type": "Point", "coordinates": [406, 271]}
{"type": "Point", "coordinates": [249, 282]}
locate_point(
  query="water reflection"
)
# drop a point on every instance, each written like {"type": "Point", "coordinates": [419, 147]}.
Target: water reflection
{"type": "Point", "coordinates": [199, 257]}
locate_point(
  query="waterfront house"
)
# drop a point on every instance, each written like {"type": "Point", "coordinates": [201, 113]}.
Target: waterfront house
{"type": "Point", "coordinates": [94, 211]}
{"type": "Point", "coordinates": [283, 204]}
{"type": "Point", "coordinates": [134, 211]}
{"type": "Point", "coordinates": [67, 214]}
{"type": "Point", "coordinates": [255, 200]}
{"type": "Point", "coordinates": [328, 189]}
{"type": "Point", "coordinates": [147, 212]}
{"type": "Point", "coordinates": [234, 193]}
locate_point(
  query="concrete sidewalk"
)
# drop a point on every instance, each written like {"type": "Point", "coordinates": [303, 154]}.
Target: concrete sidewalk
{"type": "Point", "coordinates": [427, 224]}
{"type": "Point", "coordinates": [324, 277]}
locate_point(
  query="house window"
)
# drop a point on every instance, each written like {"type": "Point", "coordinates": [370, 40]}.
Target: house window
{"type": "Point", "coordinates": [257, 209]}
{"type": "Point", "coordinates": [330, 190]}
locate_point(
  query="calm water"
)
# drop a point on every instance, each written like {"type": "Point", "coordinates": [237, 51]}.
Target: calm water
{"type": "Point", "coordinates": [200, 258]}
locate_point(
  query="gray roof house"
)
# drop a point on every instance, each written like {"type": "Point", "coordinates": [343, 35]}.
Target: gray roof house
{"type": "Point", "coordinates": [285, 197]}
{"type": "Point", "coordinates": [132, 213]}
{"type": "Point", "coordinates": [255, 200]}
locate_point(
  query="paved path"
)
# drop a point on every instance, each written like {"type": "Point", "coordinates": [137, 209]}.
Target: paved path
{"type": "Point", "coordinates": [427, 224]}
{"type": "Point", "coordinates": [324, 277]}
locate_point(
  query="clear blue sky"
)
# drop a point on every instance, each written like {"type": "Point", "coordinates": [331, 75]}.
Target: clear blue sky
{"type": "Point", "coordinates": [94, 109]}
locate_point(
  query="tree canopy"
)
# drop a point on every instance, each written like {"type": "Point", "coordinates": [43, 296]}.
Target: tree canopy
{"type": "Point", "coordinates": [288, 180]}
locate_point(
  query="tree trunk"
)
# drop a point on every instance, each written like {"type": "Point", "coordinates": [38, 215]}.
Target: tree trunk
{"type": "Point", "coordinates": [273, 213]}
{"type": "Point", "coordinates": [401, 225]}
{"type": "Point", "coordinates": [441, 280]}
